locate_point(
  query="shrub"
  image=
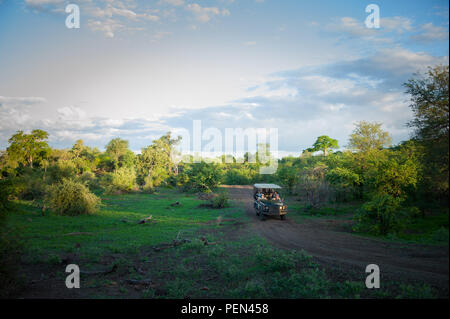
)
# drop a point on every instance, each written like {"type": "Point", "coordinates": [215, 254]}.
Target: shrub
{"type": "Point", "coordinates": [71, 198]}
{"type": "Point", "coordinates": [148, 185]}
{"type": "Point", "coordinates": [29, 186]}
{"type": "Point", "coordinates": [121, 180]}
{"type": "Point", "coordinates": [220, 200]}
{"type": "Point", "coordinates": [381, 215]}
{"type": "Point", "coordinates": [203, 177]}
{"type": "Point", "coordinates": [88, 178]}
{"type": "Point", "coordinates": [63, 169]}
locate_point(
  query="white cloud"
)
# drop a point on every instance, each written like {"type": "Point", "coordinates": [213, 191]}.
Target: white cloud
{"type": "Point", "coordinates": [173, 2]}
{"type": "Point", "coordinates": [21, 100]}
{"type": "Point", "coordinates": [111, 11]}
{"type": "Point", "coordinates": [357, 28]}
{"type": "Point", "coordinates": [14, 111]}
{"type": "Point", "coordinates": [397, 24]}
{"type": "Point", "coordinates": [42, 4]}
{"type": "Point", "coordinates": [431, 33]}
{"type": "Point", "coordinates": [205, 14]}
{"type": "Point", "coordinates": [108, 26]}
{"type": "Point", "coordinates": [71, 113]}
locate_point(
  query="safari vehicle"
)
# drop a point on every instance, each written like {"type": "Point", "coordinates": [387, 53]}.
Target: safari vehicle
{"type": "Point", "coordinates": [266, 203]}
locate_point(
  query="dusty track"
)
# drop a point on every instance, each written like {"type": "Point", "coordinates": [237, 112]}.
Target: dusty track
{"type": "Point", "coordinates": [350, 253]}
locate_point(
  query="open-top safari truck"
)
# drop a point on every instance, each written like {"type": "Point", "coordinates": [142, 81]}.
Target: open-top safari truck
{"type": "Point", "coordinates": [267, 201]}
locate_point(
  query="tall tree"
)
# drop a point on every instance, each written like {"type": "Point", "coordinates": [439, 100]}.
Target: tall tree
{"type": "Point", "coordinates": [155, 162]}
{"type": "Point", "coordinates": [369, 136]}
{"type": "Point", "coordinates": [430, 105]}
{"type": "Point", "coordinates": [28, 148]}
{"type": "Point", "coordinates": [325, 143]}
{"type": "Point", "coordinates": [117, 148]}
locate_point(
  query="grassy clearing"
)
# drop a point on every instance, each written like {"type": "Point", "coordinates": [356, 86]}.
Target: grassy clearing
{"type": "Point", "coordinates": [114, 228]}
{"type": "Point", "coordinates": [236, 263]}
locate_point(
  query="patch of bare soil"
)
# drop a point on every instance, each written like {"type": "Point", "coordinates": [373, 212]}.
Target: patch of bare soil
{"type": "Point", "coordinates": [335, 248]}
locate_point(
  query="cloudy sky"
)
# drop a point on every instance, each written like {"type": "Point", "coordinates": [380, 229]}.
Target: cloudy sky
{"type": "Point", "coordinates": [137, 69]}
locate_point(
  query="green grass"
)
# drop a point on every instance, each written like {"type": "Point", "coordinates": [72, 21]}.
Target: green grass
{"type": "Point", "coordinates": [114, 228]}
{"type": "Point", "coordinates": [299, 211]}
{"type": "Point", "coordinates": [432, 229]}
{"type": "Point", "coordinates": [237, 264]}
{"type": "Point", "coordinates": [251, 268]}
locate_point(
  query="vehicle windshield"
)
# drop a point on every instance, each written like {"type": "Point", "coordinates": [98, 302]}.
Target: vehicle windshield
{"type": "Point", "coordinates": [268, 194]}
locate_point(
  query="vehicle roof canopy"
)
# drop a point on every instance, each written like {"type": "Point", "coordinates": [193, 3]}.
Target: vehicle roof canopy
{"type": "Point", "coordinates": [272, 186]}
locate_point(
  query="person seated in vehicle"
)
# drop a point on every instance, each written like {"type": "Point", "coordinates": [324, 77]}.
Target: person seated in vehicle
{"type": "Point", "coordinates": [275, 196]}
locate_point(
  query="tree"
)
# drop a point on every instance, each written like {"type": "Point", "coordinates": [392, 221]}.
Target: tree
{"type": "Point", "coordinates": [324, 143]}
{"type": "Point", "coordinates": [78, 148]}
{"type": "Point", "coordinates": [166, 144]}
{"type": "Point", "coordinates": [369, 136]}
{"type": "Point", "coordinates": [287, 174]}
{"type": "Point", "coordinates": [391, 172]}
{"type": "Point", "coordinates": [430, 105]}
{"type": "Point", "coordinates": [117, 149]}
{"type": "Point", "coordinates": [28, 148]}
{"type": "Point", "coordinates": [203, 177]}
{"type": "Point", "coordinates": [155, 163]}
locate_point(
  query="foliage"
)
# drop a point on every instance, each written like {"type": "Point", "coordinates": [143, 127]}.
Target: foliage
{"type": "Point", "coordinates": [202, 177]}
{"type": "Point", "coordinates": [391, 172]}
{"type": "Point", "coordinates": [324, 143]}
{"type": "Point", "coordinates": [62, 169]}
{"type": "Point", "coordinates": [155, 163]}
{"type": "Point", "coordinates": [430, 105]}
{"type": "Point", "coordinates": [344, 181]}
{"type": "Point", "coordinates": [313, 185]}
{"type": "Point", "coordinates": [381, 215]}
{"type": "Point", "coordinates": [117, 150]}
{"type": "Point", "coordinates": [89, 179]}
{"type": "Point", "coordinates": [288, 177]}
{"type": "Point", "coordinates": [240, 174]}
{"type": "Point", "coordinates": [122, 179]}
{"type": "Point", "coordinates": [369, 136]}
{"type": "Point", "coordinates": [220, 200]}
{"type": "Point", "coordinates": [9, 244]}
{"type": "Point", "coordinates": [71, 198]}
{"type": "Point", "coordinates": [28, 148]}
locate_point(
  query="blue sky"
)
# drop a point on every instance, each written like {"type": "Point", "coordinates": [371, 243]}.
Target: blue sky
{"type": "Point", "coordinates": [137, 69]}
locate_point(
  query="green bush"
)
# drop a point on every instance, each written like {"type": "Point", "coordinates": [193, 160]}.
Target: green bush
{"type": "Point", "coordinates": [89, 179]}
{"type": "Point", "coordinates": [220, 200]}
{"type": "Point", "coordinates": [148, 185]}
{"type": "Point", "coordinates": [29, 186]}
{"type": "Point", "coordinates": [63, 169]}
{"type": "Point", "coordinates": [202, 177]}
{"type": "Point", "coordinates": [71, 198]}
{"type": "Point", "coordinates": [381, 215]}
{"type": "Point", "coordinates": [121, 180]}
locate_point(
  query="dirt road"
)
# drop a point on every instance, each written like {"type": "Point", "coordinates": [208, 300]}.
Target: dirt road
{"type": "Point", "coordinates": [336, 249]}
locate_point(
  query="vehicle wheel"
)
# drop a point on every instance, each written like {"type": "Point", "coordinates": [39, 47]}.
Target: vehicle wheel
{"type": "Point", "coordinates": [283, 217]}
{"type": "Point", "coordinates": [257, 211]}
{"type": "Point", "coordinates": [262, 217]}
